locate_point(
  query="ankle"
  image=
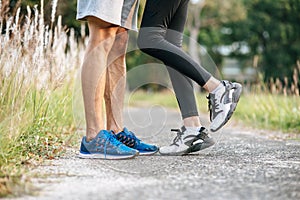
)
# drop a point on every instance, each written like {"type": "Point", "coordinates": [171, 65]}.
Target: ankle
{"type": "Point", "coordinates": [90, 134]}
{"type": "Point", "coordinates": [88, 139]}
{"type": "Point", "coordinates": [212, 84]}
{"type": "Point", "coordinates": [193, 121]}
{"type": "Point", "coordinates": [193, 129]}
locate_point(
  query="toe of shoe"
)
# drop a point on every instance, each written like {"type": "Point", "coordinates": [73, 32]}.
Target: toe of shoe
{"type": "Point", "coordinates": [146, 147]}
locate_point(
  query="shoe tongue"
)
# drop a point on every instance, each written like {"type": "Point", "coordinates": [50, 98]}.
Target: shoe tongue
{"type": "Point", "coordinates": [131, 134]}
{"type": "Point", "coordinates": [218, 88]}
{"type": "Point", "coordinates": [183, 128]}
{"type": "Point", "coordinates": [105, 132]}
{"type": "Point", "coordinates": [108, 134]}
{"type": "Point", "coordinates": [125, 130]}
{"type": "Point", "coordinates": [193, 129]}
{"type": "Point", "coordinates": [203, 130]}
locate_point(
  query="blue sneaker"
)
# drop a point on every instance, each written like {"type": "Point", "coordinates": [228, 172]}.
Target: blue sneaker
{"type": "Point", "coordinates": [105, 146]}
{"type": "Point", "coordinates": [129, 139]}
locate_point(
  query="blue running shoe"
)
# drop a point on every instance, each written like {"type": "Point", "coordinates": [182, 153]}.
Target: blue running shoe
{"type": "Point", "coordinates": [129, 139]}
{"type": "Point", "coordinates": [105, 146]}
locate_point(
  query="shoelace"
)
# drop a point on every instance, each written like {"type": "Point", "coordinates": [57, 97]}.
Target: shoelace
{"type": "Point", "coordinates": [212, 102]}
{"type": "Point", "coordinates": [111, 138]}
{"type": "Point", "coordinates": [130, 136]}
{"type": "Point", "coordinates": [178, 136]}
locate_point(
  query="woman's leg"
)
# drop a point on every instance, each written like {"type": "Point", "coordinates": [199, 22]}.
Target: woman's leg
{"type": "Point", "coordinates": [116, 82]}
{"type": "Point", "coordinates": [93, 75]}
{"type": "Point", "coordinates": [157, 16]}
{"type": "Point", "coordinates": [182, 85]}
{"type": "Point", "coordinates": [151, 40]}
{"type": "Point", "coordinates": [192, 137]}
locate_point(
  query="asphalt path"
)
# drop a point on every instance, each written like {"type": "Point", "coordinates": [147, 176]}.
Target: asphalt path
{"type": "Point", "coordinates": [243, 164]}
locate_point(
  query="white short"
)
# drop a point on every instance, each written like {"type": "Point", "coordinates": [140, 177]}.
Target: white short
{"type": "Point", "coordinates": [119, 12]}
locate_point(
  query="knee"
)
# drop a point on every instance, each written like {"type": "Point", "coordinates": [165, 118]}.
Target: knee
{"type": "Point", "coordinates": [121, 41]}
{"type": "Point", "coordinates": [122, 37]}
{"type": "Point", "coordinates": [148, 41]}
{"type": "Point", "coordinates": [142, 40]}
{"type": "Point", "coordinates": [102, 38]}
{"type": "Point", "coordinates": [174, 38]}
{"type": "Point", "coordinates": [177, 43]}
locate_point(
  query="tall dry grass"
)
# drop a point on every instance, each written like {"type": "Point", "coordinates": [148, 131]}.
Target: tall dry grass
{"type": "Point", "coordinates": [274, 105]}
{"type": "Point", "coordinates": [37, 68]}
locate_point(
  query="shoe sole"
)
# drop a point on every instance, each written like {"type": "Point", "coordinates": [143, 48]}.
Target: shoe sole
{"type": "Point", "coordinates": [235, 99]}
{"type": "Point", "coordinates": [106, 157]}
{"type": "Point", "coordinates": [200, 146]}
{"type": "Point", "coordinates": [194, 148]}
{"type": "Point", "coordinates": [149, 153]}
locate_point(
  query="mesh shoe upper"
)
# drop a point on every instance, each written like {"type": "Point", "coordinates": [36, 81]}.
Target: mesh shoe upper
{"type": "Point", "coordinates": [106, 144]}
{"type": "Point", "coordinates": [128, 138]}
{"type": "Point", "coordinates": [186, 142]}
{"type": "Point", "coordinates": [222, 103]}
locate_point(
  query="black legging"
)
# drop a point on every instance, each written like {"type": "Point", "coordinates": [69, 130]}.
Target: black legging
{"type": "Point", "coordinates": [159, 16]}
{"type": "Point", "coordinates": [161, 37]}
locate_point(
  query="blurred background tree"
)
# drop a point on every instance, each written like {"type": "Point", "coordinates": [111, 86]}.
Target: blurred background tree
{"type": "Point", "coordinates": [67, 9]}
{"type": "Point", "coordinates": [264, 31]}
{"type": "Point", "coordinates": [271, 31]}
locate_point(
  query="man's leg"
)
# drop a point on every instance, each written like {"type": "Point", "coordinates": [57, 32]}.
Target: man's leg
{"type": "Point", "coordinates": [99, 143]}
{"type": "Point", "coordinates": [93, 74]}
{"type": "Point", "coordinates": [114, 96]}
{"type": "Point", "coordinates": [115, 82]}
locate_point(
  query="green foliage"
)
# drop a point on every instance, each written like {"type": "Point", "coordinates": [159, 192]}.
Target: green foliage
{"type": "Point", "coordinates": [271, 30]}
{"type": "Point", "coordinates": [68, 10]}
{"type": "Point", "coordinates": [44, 128]}
{"type": "Point", "coordinates": [268, 111]}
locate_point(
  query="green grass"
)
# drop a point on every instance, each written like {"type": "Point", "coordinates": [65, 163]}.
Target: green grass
{"type": "Point", "coordinates": [40, 129]}
{"type": "Point", "coordinates": [275, 112]}
{"type": "Point", "coordinates": [37, 67]}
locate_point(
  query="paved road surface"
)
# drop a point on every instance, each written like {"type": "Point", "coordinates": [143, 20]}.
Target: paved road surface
{"type": "Point", "coordinates": [242, 165]}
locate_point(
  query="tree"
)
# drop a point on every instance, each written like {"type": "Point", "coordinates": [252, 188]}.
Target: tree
{"type": "Point", "coordinates": [67, 9]}
{"type": "Point", "coordinates": [272, 32]}
{"type": "Point", "coordinates": [205, 21]}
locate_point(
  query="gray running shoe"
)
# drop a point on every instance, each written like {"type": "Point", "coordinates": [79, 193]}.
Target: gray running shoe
{"type": "Point", "coordinates": [222, 104]}
{"type": "Point", "coordinates": [187, 142]}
